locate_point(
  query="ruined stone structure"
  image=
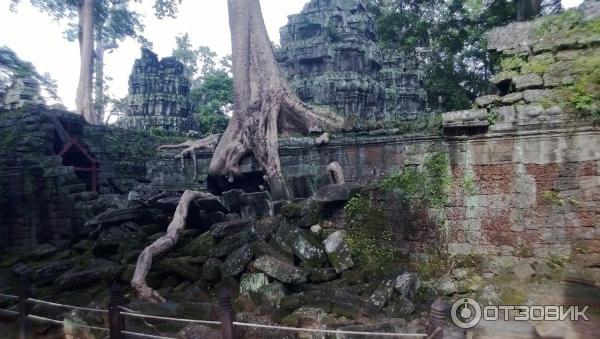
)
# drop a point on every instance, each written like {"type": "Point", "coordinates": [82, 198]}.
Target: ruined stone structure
{"type": "Point", "coordinates": [23, 91]}
{"type": "Point", "coordinates": [518, 214]}
{"type": "Point", "coordinates": [329, 54]}
{"type": "Point", "coordinates": [158, 95]}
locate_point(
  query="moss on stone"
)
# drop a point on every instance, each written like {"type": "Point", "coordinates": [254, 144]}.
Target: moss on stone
{"type": "Point", "coordinates": [513, 63]}
{"type": "Point", "coordinates": [428, 187]}
{"type": "Point", "coordinates": [291, 210]}
{"type": "Point", "coordinates": [368, 235]}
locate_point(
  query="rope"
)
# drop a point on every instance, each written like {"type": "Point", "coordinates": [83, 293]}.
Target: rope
{"type": "Point", "coordinates": [132, 313]}
{"type": "Point", "coordinates": [313, 330]}
{"type": "Point", "coordinates": [140, 335]}
{"type": "Point", "coordinates": [205, 322]}
{"type": "Point", "coordinates": [87, 309]}
{"type": "Point", "coordinates": [8, 312]}
{"type": "Point", "coordinates": [54, 321]}
{"type": "Point", "coordinates": [9, 296]}
{"type": "Point", "coordinates": [143, 320]}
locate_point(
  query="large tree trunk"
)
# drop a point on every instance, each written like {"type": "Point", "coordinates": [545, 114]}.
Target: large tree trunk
{"type": "Point", "coordinates": [264, 104]}
{"type": "Point", "coordinates": [528, 9]}
{"type": "Point", "coordinates": [84, 101]}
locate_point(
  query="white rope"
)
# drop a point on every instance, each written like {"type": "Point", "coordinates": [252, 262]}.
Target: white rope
{"type": "Point", "coordinates": [205, 322]}
{"type": "Point", "coordinates": [58, 322]}
{"type": "Point", "coordinates": [9, 312]}
{"type": "Point", "coordinates": [87, 309]}
{"type": "Point", "coordinates": [131, 313]}
{"type": "Point", "coordinates": [314, 330]}
{"type": "Point", "coordinates": [143, 320]}
{"type": "Point", "coordinates": [145, 335]}
{"type": "Point", "coordinates": [9, 296]}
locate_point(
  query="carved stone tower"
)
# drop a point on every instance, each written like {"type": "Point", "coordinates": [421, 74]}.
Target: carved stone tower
{"type": "Point", "coordinates": [329, 53]}
{"type": "Point", "coordinates": [158, 95]}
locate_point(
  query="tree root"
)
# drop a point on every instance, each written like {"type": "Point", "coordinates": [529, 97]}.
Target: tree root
{"type": "Point", "coordinates": [174, 231]}
{"type": "Point", "coordinates": [337, 173]}
{"type": "Point", "coordinates": [209, 143]}
{"type": "Point", "coordinates": [322, 140]}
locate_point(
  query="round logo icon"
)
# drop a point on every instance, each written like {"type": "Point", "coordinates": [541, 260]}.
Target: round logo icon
{"type": "Point", "coordinates": [465, 313]}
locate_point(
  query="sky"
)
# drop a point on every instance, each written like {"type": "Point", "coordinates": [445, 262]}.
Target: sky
{"type": "Point", "coordinates": [37, 38]}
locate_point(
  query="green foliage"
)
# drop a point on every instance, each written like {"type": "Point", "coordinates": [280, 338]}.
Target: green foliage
{"type": "Point", "coordinates": [512, 63]}
{"type": "Point", "coordinates": [368, 234]}
{"type": "Point", "coordinates": [469, 185]}
{"type": "Point", "coordinates": [211, 99]}
{"type": "Point", "coordinates": [557, 199]}
{"type": "Point", "coordinates": [11, 67]}
{"type": "Point", "coordinates": [538, 66]}
{"type": "Point", "coordinates": [190, 57]}
{"type": "Point", "coordinates": [583, 98]}
{"type": "Point", "coordinates": [566, 24]}
{"type": "Point", "coordinates": [452, 34]}
{"type": "Point", "coordinates": [429, 186]}
{"type": "Point", "coordinates": [493, 116]}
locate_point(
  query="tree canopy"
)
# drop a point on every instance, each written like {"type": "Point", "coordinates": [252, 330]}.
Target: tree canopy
{"type": "Point", "coordinates": [11, 67]}
{"type": "Point", "coordinates": [448, 36]}
{"type": "Point", "coordinates": [212, 84]}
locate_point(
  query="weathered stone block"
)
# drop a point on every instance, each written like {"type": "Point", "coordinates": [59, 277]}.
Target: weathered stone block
{"type": "Point", "coordinates": [338, 252]}
{"type": "Point", "coordinates": [526, 81]}
{"type": "Point", "coordinates": [487, 100]}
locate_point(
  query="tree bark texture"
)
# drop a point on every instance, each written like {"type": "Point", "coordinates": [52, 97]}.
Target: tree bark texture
{"type": "Point", "coordinates": [264, 104]}
{"type": "Point", "coordinates": [174, 232]}
{"type": "Point", "coordinates": [99, 104]}
{"type": "Point", "coordinates": [84, 100]}
{"type": "Point", "coordinates": [528, 9]}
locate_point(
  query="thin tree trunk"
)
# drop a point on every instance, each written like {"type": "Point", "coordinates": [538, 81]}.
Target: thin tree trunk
{"type": "Point", "coordinates": [99, 104]}
{"type": "Point", "coordinates": [264, 104]}
{"type": "Point", "coordinates": [84, 101]}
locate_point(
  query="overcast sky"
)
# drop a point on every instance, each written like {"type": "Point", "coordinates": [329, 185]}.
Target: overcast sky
{"type": "Point", "coordinates": [35, 37]}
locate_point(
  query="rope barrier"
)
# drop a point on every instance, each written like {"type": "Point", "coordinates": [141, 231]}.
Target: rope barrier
{"type": "Point", "coordinates": [8, 312]}
{"type": "Point", "coordinates": [9, 296]}
{"type": "Point", "coordinates": [57, 322]}
{"type": "Point", "coordinates": [87, 309]}
{"type": "Point", "coordinates": [143, 320]}
{"type": "Point", "coordinates": [131, 313]}
{"type": "Point", "coordinates": [205, 322]}
{"type": "Point", "coordinates": [314, 330]}
{"type": "Point", "coordinates": [140, 335]}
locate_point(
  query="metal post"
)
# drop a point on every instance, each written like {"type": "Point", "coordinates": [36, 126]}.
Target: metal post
{"type": "Point", "coordinates": [116, 322]}
{"type": "Point", "coordinates": [24, 291]}
{"type": "Point", "coordinates": [435, 328]}
{"type": "Point", "coordinates": [226, 315]}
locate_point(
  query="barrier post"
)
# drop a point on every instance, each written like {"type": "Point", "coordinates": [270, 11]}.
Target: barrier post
{"type": "Point", "coordinates": [435, 328]}
{"type": "Point", "coordinates": [116, 322]}
{"type": "Point", "coordinates": [24, 293]}
{"type": "Point", "coordinates": [226, 315]}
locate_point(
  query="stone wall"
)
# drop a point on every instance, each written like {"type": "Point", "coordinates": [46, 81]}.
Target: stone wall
{"type": "Point", "coordinates": [42, 198]}
{"type": "Point", "coordinates": [527, 193]}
